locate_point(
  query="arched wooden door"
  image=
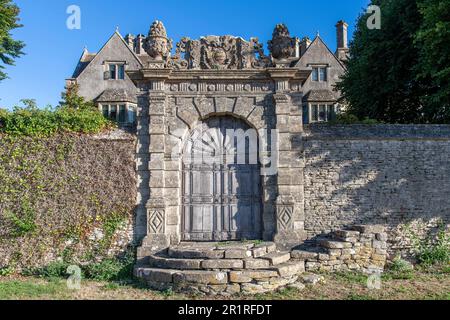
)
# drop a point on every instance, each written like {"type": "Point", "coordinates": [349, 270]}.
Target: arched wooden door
{"type": "Point", "coordinates": [221, 195]}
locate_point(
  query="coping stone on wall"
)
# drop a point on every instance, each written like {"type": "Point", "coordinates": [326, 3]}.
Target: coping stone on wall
{"type": "Point", "coordinates": [376, 132]}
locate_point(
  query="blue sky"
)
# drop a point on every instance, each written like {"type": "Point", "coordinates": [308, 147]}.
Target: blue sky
{"type": "Point", "coordinates": [52, 50]}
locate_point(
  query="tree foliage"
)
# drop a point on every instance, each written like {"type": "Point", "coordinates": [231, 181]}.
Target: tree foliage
{"type": "Point", "coordinates": [71, 99]}
{"type": "Point", "coordinates": [10, 49]}
{"type": "Point", "coordinates": [397, 74]}
{"type": "Point", "coordinates": [432, 41]}
{"type": "Point", "coordinates": [74, 114]}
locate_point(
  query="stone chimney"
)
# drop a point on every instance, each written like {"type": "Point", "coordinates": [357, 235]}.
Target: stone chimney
{"type": "Point", "coordinates": [304, 44]}
{"type": "Point", "coordinates": [129, 39]}
{"type": "Point", "coordinates": [342, 40]}
{"type": "Point", "coordinates": [139, 44]}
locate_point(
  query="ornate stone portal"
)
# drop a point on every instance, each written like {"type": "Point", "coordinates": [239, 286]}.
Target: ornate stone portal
{"type": "Point", "coordinates": [221, 78]}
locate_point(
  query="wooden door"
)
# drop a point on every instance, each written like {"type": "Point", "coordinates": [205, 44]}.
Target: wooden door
{"type": "Point", "coordinates": [221, 197]}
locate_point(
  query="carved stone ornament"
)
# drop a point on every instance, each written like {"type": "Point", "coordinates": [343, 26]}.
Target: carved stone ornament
{"type": "Point", "coordinates": [219, 53]}
{"type": "Point", "coordinates": [157, 45]}
{"type": "Point", "coordinates": [282, 46]}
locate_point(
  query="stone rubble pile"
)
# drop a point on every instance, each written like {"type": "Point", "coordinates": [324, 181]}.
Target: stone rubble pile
{"type": "Point", "coordinates": [361, 248]}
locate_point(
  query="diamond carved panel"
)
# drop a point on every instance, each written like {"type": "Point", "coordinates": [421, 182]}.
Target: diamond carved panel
{"type": "Point", "coordinates": [285, 217]}
{"type": "Point", "coordinates": [156, 222]}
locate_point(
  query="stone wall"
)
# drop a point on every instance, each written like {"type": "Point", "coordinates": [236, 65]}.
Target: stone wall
{"type": "Point", "coordinates": [394, 175]}
{"type": "Point", "coordinates": [68, 197]}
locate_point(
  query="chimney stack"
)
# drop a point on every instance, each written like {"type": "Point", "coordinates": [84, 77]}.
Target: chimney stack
{"type": "Point", "coordinates": [129, 39]}
{"type": "Point", "coordinates": [139, 44]}
{"type": "Point", "coordinates": [304, 44]}
{"type": "Point", "coordinates": [342, 34]}
{"type": "Point", "coordinates": [342, 40]}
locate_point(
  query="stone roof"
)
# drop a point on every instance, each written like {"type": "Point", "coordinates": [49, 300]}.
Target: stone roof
{"type": "Point", "coordinates": [320, 95]}
{"type": "Point", "coordinates": [117, 95]}
{"type": "Point", "coordinates": [83, 63]}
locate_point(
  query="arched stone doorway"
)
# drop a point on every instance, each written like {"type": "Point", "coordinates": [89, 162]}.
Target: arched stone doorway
{"type": "Point", "coordinates": [221, 194]}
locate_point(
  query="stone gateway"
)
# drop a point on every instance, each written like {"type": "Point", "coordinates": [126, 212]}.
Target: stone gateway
{"type": "Point", "coordinates": [187, 106]}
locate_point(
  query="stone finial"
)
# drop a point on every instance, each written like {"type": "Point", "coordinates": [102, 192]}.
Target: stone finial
{"type": "Point", "coordinates": [157, 45]}
{"type": "Point", "coordinates": [282, 45]}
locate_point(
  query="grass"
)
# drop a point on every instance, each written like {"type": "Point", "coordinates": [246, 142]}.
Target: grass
{"type": "Point", "coordinates": [351, 277]}
{"type": "Point", "coordinates": [32, 289]}
{"type": "Point", "coordinates": [424, 284]}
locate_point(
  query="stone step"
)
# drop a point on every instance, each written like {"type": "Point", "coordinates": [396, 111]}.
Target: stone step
{"type": "Point", "coordinates": [276, 258]}
{"type": "Point", "coordinates": [167, 276]}
{"type": "Point", "coordinates": [330, 244]}
{"type": "Point", "coordinates": [247, 276]}
{"type": "Point", "coordinates": [160, 262]}
{"type": "Point", "coordinates": [290, 268]}
{"type": "Point", "coordinates": [232, 250]}
{"type": "Point", "coordinates": [304, 255]}
{"type": "Point", "coordinates": [346, 235]}
{"type": "Point", "coordinates": [200, 277]}
{"type": "Point", "coordinates": [155, 275]}
{"type": "Point", "coordinates": [191, 253]}
{"type": "Point", "coordinates": [223, 264]}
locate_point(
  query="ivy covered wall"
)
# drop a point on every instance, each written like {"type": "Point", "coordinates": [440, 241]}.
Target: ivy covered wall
{"type": "Point", "coordinates": [66, 197]}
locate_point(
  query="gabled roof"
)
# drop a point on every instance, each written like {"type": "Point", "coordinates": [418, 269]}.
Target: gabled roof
{"type": "Point", "coordinates": [316, 40]}
{"type": "Point", "coordinates": [84, 61]}
{"type": "Point", "coordinates": [117, 95]}
{"type": "Point", "coordinates": [87, 58]}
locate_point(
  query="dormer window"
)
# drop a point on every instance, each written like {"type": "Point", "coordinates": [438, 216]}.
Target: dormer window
{"type": "Point", "coordinates": [116, 71]}
{"type": "Point", "coordinates": [319, 74]}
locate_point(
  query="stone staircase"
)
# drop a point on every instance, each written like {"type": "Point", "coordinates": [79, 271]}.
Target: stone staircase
{"type": "Point", "coordinates": [360, 248]}
{"type": "Point", "coordinates": [220, 268]}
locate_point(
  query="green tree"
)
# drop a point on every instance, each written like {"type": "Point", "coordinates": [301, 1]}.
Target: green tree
{"type": "Point", "coordinates": [432, 42]}
{"type": "Point", "coordinates": [10, 49]}
{"type": "Point", "coordinates": [71, 99]}
{"type": "Point", "coordinates": [381, 81]}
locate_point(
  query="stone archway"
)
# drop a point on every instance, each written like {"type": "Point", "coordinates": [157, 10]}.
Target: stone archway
{"type": "Point", "coordinates": [177, 93]}
{"type": "Point", "coordinates": [222, 192]}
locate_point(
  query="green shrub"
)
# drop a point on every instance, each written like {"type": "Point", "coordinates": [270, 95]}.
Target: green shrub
{"type": "Point", "coordinates": [45, 122]}
{"type": "Point", "coordinates": [400, 269]}
{"type": "Point", "coordinates": [73, 115]}
{"type": "Point", "coordinates": [6, 271]}
{"type": "Point", "coordinates": [57, 269]}
{"type": "Point", "coordinates": [434, 249]}
{"type": "Point", "coordinates": [347, 119]}
{"type": "Point", "coordinates": [23, 222]}
{"type": "Point", "coordinates": [113, 269]}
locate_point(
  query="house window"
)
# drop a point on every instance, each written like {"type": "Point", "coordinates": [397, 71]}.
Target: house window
{"type": "Point", "coordinates": [122, 113]}
{"type": "Point", "coordinates": [322, 112]}
{"type": "Point", "coordinates": [113, 112]}
{"type": "Point", "coordinates": [116, 71]}
{"type": "Point", "coordinates": [131, 114]}
{"type": "Point", "coordinates": [319, 74]}
{"type": "Point", "coordinates": [314, 113]}
{"type": "Point", "coordinates": [105, 111]}
{"type": "Point", "coordinates": [315, 74]}
{"type": "Point", "coordinates": [323, 76]}
{"type": "Point", "coordinates": [121, 72]}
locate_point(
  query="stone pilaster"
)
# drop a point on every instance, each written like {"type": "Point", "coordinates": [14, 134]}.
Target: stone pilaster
{"type": "Point", "coordinates": [157, 237]}
{"type": "Point", "coordinates": [290, 201]}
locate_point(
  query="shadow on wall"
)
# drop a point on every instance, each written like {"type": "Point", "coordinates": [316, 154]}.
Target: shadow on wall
{"type": "Point", "coordinates": [398, 176]}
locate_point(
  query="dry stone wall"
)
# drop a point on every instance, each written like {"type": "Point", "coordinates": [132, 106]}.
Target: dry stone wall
{"type": "Point", "coordinates": [68, 197]}
{"type": "Point", "coordinates": [394, 175]}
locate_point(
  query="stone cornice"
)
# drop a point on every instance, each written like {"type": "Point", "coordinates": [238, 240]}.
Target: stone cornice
{"type": "Point", "coordinates": [234, 75]}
